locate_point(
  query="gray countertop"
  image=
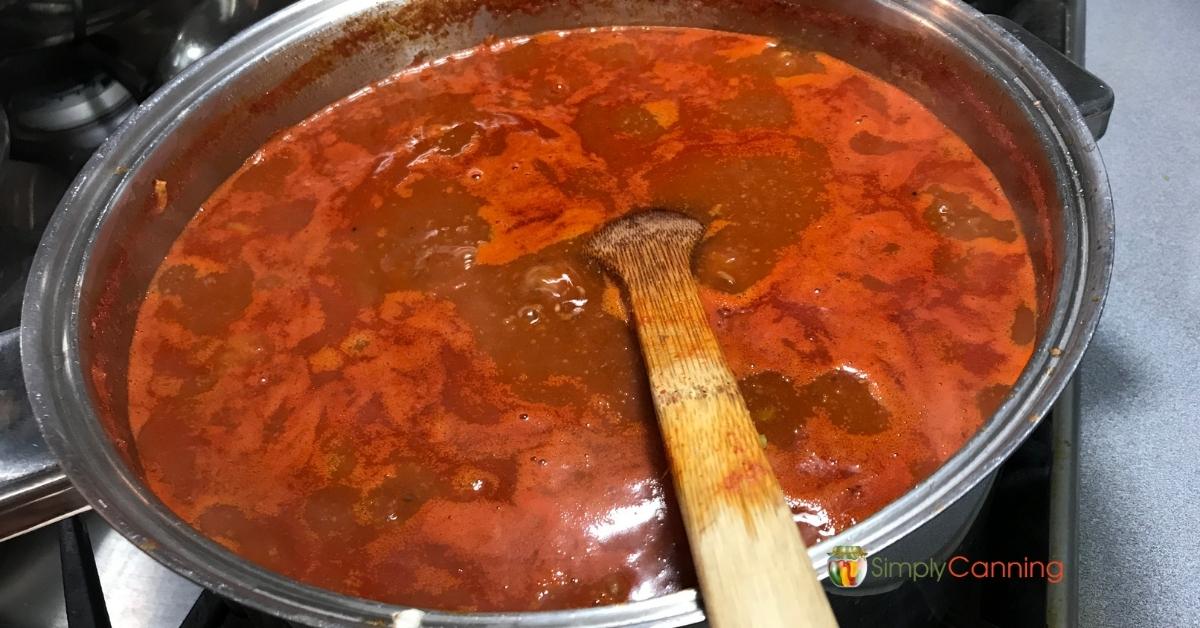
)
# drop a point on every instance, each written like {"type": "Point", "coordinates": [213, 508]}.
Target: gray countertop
{"type": "Point", "coordinates": [1139, 500]}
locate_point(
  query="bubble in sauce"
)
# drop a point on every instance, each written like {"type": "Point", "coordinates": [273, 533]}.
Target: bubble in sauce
{"type": "Point", "coordinates": [530, 314]}
{"type": "Point", "coordinates": [556, 288]}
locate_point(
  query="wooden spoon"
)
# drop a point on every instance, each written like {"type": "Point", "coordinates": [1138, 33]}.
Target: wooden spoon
{"type": "Point", "coordinates": [753, 567]}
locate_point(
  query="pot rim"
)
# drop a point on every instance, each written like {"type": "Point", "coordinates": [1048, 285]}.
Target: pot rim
{"type": "Point", "coordinates": [58, 389]}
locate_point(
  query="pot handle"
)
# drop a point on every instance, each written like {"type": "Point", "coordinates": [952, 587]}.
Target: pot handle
{"type": "Point", "coordinates": [38, 493]}
{"type": "Point", "coordinates": [1092, 96]}
{"type": "Point", "coordinates": [13, 400]}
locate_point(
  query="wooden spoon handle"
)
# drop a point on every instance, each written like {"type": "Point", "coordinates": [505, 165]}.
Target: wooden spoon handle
{"type": "Point", "coordinates": [753, 566]}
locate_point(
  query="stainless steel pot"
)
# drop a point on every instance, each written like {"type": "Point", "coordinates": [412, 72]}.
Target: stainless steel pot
{"type": "Point", "coordinates": [99, 253]}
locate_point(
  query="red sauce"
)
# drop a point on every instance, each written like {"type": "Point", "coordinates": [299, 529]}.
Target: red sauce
{"type": "Point", "coordinates": [377, 361]}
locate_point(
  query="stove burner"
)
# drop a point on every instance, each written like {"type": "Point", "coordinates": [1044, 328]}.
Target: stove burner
{"type": "Point", "coordinates": [71, 107]}
{"type": "Point", "coordinates": [28, 195]}
{"type": "Point", "coordinates": [26, 24]}
{"type": "Point", "coordinates": [70, 118]}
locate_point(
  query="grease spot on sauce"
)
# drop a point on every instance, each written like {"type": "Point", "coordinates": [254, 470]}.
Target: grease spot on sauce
{"type": "Point", "coordinates": [773, 400]}
{"type": "Point", "coordinates": [844, 397]}
{"type": "Point", "coordinates": [207, 302]}
{"type": "Point", "coordinates": [871, 144]}
{"type": "Point", "coordinates": [990, 398]}
{"type": "Point", "coordinates": [1024, 327]}
{"type": "Point", "coordinates": [769, 197]}
{"type": "Point", "coordinates": [400, 495]}
{"type": "Point", "coordinates": [954, 215]}
{"type": "Point", "coordinates": [231, 525]}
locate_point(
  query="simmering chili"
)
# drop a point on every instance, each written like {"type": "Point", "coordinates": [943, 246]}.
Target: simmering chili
{"type": "Point", "coordinates": [377, 361]}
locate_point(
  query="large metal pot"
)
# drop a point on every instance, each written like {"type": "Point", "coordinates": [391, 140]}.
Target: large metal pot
{"type": "Point", "coordinates": [108, 236]}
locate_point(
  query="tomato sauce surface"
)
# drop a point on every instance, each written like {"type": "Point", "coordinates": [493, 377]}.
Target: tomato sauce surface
{"type": "Point", "coordinates": [377, 361]}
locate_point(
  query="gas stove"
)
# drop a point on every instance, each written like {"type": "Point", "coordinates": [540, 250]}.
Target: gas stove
{"type": "Point", "coordinates": [69, 77]}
